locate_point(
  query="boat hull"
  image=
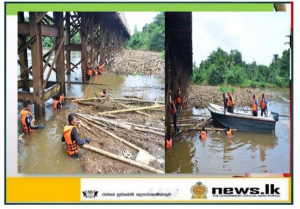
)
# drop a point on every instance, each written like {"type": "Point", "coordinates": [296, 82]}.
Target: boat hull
{"type": "Point", "coordinates": [243, 124]}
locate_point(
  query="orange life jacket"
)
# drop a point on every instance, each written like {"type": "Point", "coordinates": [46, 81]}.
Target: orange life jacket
{"type": "Point", "coordinates": [178, 100]}
{"type": "Point", "coordinates": [254, 107]}
{"type": "Point", "coordinates": [203, 135]}
{"type": "Point", "coordinates": [72, 146]}
{"type": "Point", "coordinates": [229, 133]}
{"type": "Point", "coordinates": [172, 108]}
{"type": "Point", "coordinates": [262, 104]}
{"type": "Point", "coordinates": [55, 102]}
{"type": "Point", "coordinates": [89, 72]}
{"type": "Point", "coordinates": [23, 114]}
{"type": "Point", "coordinates": [184, 104]}
{"type": "Point", "coordinates": [61, 99]}
{"type": "Point", "coordinates": [169, 144]}
{"type": "Point", "coordinates": [230, 101]}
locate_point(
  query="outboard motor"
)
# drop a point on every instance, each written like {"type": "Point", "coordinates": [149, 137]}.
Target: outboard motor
{"type": "Point", "coordinates": [275, 116]}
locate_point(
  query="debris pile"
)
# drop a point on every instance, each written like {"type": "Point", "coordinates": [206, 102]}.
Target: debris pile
{"type": "Point", "coordinates": [127, 135]}
{"type": "Point", "coordinates": [200, 96]}
{"type": "Point", "coordinates": [134, 62]}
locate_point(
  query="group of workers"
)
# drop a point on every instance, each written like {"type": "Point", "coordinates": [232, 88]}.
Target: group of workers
{"type": "Point", "coordinates": [263, 106]}
{"type": "Point", "coordinates": [175, 106]}
{"type": "Point", "coordinates": [71, 132]}
{"type": "Point", "coordinates": [99, 68]}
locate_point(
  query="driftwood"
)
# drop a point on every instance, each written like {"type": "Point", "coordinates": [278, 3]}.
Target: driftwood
{"type": "Point", "coordinates": [149, 131]}
{"type": "Point", "coordinates": [122, 159]}
{"type": "Point", "coordinates": [131, 110]}
{"type": "Point", "coordinates": [139, 100]}
{"type": "Point", "coordinates": [83, 125]}
{"type": "Point", "coordinates": [139, 112]}
{"type": "Point", "coordinates": [209, 129]}
{"type": "Point", "coordinates": [142, 126]}
{"type": "Point", "coordinates": [114, 136]}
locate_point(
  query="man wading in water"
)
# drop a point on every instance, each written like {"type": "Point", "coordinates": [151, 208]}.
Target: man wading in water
{"type": "Point", "coordinates": [71, 137]}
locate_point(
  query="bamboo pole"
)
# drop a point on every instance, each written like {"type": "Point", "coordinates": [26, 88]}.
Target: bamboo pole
{"type": "Point", "coordinates": [122, 159]}
{"type": "Point", "coordinates": [114, 136]}
{"type": "Point", "coordinates": [149, 131]}
{"type": "Point", "coordinates": [139, 112]}
{"type": "Point", "coordinates": [142, 126]}
{"type": "Point", "coordinates": [108, 121]}
{"type": "Point", "coordinates": [131, 110]}
{"type": "Point", "coordinates": [139, 100]}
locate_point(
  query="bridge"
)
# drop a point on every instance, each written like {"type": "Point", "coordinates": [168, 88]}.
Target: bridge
{"type": "Point", "coordinates": [102, 35]}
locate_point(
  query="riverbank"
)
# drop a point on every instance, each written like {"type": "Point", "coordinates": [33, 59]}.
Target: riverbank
{"type": "Point", "coordinates": [200, 96]}
{"type": "Point", "coordinates": [135, 62]}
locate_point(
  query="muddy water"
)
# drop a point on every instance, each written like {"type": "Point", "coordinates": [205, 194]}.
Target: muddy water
{"type": "Point", "coordinates": [42, 151]}
{"type": "Point", "coordinates": [242, 153]}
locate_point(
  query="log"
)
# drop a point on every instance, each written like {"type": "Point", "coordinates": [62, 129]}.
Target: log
{"type": "Point", "coordinates": [89, 99]}
{"type": "Point", "coordinates": [122, 159]}
{"type": "Point", "coordinates": [139, 112]}
{"type": "Point", "coordinates": [132, 109]}
{"type": "Point", "coordinates": [209, 129]}
{"type": "Point", "coordinates": [142, 126]}
{"type": "Point", "coordinates": [149, 131]}
{"type": "Point", "coordinates": [116, 137]}
{"type": "Point", "coordinates": [139, 100]}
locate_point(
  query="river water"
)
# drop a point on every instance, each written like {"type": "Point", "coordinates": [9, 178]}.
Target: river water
{"type": "Point", "coordinates": [42, 151]}
{"type": "Point", "coordinates": [240, 154]}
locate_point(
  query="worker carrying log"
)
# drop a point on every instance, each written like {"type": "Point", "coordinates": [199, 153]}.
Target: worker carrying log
{"type": "Point", "coordinates": [56, 102]}
{"type": "Point", "coordinates": [263, 105]}
{"type": "Point", "coordinates": [27, 119]}
{"type": "Point", "coordinates": [71, 137]}
{"type": "Point", "coordinates": [230, 102]}
{"type": "Point", "coordinates": [104, 93]}
{"type": "Point", "coordinates": [62, 98]}
{"type": "Point", "coordinates": [254, 106]}
{"type": "Point", "coordinates": [89, 71]}
{"type": "Point", "coordinates": [174, 115]}
{"type": "Point", "coordinates": [168, 141]}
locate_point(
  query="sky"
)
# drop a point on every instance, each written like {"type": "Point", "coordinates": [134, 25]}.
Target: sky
{"type": "Point", "coordinates": [257, 35]}
{"type": "Point", "coordinates": [139, 19]}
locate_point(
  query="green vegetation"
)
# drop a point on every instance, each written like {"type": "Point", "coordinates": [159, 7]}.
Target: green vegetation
{"type": "Point", "coordinates": [229, 69]}
{"type": "Point", "coordinates": [152, 36]}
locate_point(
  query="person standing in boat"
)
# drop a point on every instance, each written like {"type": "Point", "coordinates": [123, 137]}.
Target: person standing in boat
{"type": "Point", "coordinates": [225, 99]}
{"type": "Point", "coordinates": [254, 106]}
{"type": "Point", "coordinates": [263, 105]}
{"type": "Point", "coordinates": [230, 102]}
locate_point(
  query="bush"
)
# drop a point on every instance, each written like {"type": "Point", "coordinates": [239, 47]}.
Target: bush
{"type": "Point", "coordinates": [246, 83]}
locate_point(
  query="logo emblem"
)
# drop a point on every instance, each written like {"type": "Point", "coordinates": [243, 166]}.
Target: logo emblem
{"type": "Point", "coordinates": [90, 193]}
{"type": "Point", "coordinates": [199, 191]}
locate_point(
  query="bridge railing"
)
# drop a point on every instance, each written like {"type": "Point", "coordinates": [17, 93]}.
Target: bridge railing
{"type": "Point", "coordinates": [124, 20]}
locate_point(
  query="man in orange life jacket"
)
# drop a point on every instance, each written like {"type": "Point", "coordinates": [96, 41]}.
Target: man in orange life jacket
{"type": "Point", "coordinates": [62, 98]}
{"type": "Point", "coordinates": [27, 119]}
{"type": "Point", "coordinates": [89, 71]}
{"type": "Point", "coordinates": [168, 141]}
{"type": "Point", "coordinates": [254, 106]}
{"type": "Point", "coordinates": [56, 102]}
{"type": "Point", "coordinates": [230, 102]}
{"type": "Point", "coordinates": [228, 132]}
{"type": "Point", "coordinates": [71, 137]}
{"type": "Point", "coordinates": [263, 105]}
{"type": "Point", "coordinates": [203, 134]}
{"type": "Point", "coordinates": [178, 101]}
{"type": "Point", "coordinates": [174, 114]}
